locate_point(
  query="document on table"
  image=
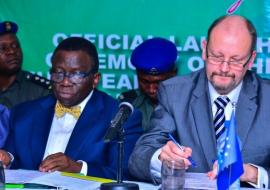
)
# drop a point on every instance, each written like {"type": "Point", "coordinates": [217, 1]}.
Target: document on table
{"type": "Point", "coordinates": [199, 181]}
{"type": "Point", "coordinates": [52, 179]}
{"type": "Point", "coordinates": [22, 176]}
{"type": "Point", "coordinates": [56, 179]}
{"type": "Point", "coordinates": [192, 181]}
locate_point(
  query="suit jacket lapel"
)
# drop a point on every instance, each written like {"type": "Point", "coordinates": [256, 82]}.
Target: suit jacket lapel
{"type": "Point", "coordinates": [202, 113]}
{"type": "Point", "coordinates": [246, 106]}
{"type": "Point", "coordinates": [41, 127]}
{"type": "Point", "coordinates": [85, 123]}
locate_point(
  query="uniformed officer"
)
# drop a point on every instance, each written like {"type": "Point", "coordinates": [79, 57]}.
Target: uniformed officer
{"type": "Point", "coordinates": [16, 85]}
{"type": "Point", "coordinates": [154, 61]}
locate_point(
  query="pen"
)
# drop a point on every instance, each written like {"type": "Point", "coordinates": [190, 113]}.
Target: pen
{"type": "Point", "coordinates": [193, 163]}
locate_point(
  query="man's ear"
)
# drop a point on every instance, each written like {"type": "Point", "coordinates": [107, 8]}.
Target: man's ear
{"type": "Point", "coordinates": [204, 47]}
{"type": "Point", "coordinates": [96, 79]}
{"type": "Point", "coordinates": [252, 59]}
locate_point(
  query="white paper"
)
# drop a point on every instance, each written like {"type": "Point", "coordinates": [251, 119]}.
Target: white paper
{"type": "Point", "coordinates": [21, 176]}
{"type": "Point", "coordinates": [192, 181]}
{"type": "Point", "coordinates": [57, 180]}
{"type": "Point", "coordinates": [199, 181]}
{"type": "Point", "coordinates": [53, 179]}
{"type": "Point", "coordinates": [146, 186]}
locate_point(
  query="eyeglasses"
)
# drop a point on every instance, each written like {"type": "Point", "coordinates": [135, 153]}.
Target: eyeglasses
{"type": "Point", "coordinates": [74, 77]}
{"type": "Point", "coordinates": [4, 48]}
{"type": "Point", "coordinates": [236, 64]}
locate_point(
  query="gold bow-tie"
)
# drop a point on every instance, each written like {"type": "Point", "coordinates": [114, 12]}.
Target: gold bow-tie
{"type": "Point", "coordinates": [60, 110]}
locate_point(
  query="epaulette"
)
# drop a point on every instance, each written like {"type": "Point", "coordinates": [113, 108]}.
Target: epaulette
{"type": "Point", "coordinates": [42, 81]}
{"type": "Point", "coordinates": [128, 96]}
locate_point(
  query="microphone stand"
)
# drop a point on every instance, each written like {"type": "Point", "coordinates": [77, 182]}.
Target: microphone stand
{"type": "Point", "coordinates": [119, 185]}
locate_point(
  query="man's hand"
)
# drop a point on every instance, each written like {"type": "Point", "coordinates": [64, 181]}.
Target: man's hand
{"type": "Point", "coordinates": [213, 174]}
{"type": "Point", "coordinates": [5, 158]}
{"type": "Point", "coordinates": [250, 173]}
{"type": "Point", "coordinates": [170, 151]}
{"type": "Point", "coordinates": [59, 162]}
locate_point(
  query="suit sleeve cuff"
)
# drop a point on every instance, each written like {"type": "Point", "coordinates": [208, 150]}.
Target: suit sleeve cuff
{"type": "Point", "coordinates": [84, 167]}
{"type": "Point", "coordinates": [262, 181]}
{"type": "Point", "coordinates": [155, 165]}
{"type": "Point", "coordinates": [11, 160]}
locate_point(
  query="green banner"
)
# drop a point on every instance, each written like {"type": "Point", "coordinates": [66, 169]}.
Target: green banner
{"type": "Point", "coordinates": [117, 27]}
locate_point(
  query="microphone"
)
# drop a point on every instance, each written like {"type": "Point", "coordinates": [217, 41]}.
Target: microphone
{"type": "Point", "coordinates": [116, 131]}
{"type": "Point", "coordinates": [125, 110]}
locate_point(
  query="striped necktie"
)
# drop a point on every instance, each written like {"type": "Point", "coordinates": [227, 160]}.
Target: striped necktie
{"type": "Point", "coordinates": [219, 119]}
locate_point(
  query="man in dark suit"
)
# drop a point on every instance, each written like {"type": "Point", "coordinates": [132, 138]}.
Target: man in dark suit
{"type": "Point", "coordinates": [187, 109]}
{"type": "Point", "coordinates": [65, 131]}
{"type": "Point", "coordinates": [4, 123]}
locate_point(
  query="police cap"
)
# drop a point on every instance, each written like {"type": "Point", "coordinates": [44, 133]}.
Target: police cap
{"type": "Point", "coordinates": [8, 27]}
{"type": "Point", "coordinates": [154, 56]}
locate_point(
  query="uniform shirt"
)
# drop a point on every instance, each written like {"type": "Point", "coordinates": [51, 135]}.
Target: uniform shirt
{"type": "Point", "coordinates": [26, 87]}
{"type": "Point", "coordinates": [142, 102]}
{"type": "Point", "coordinates": [61, 131]}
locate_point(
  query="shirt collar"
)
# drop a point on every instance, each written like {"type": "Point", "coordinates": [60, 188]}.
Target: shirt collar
{"type": "Point", "coordinates": [83, 103]}
{"type": "Point", "coordinates": [233, 95]}
{"type": "Point", "coordinates": [144, 99]}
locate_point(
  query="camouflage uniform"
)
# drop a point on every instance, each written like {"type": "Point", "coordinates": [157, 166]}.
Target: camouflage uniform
{"type": "Point", "coordinates": [26, 86]}
{"type": "Point", "coordinates": [140, 101]}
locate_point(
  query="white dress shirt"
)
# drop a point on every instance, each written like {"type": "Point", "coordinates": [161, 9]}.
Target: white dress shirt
{"type": "Point", "coordinates": [155, 164]}
{"type": "Point", "coordinates": [61, 131]}
{"type": "Point", "coordinates": [233, 96]}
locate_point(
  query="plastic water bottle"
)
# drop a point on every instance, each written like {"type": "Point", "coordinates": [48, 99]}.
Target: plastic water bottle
{"type": "Point", "coordinates": [2, 176]}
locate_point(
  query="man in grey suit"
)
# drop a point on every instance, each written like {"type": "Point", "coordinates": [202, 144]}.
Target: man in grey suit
{"type": "Point", "coordinates": [187, 109]}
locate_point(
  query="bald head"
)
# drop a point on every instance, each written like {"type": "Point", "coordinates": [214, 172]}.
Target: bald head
{"type": "Point", "coordinates": [234, 25]}
{"type": "Point", "coordinates": [229, 52]}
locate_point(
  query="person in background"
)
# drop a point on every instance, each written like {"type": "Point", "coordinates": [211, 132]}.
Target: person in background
{"type": "Point", "coordinates": [4, 123]}
{"type": "Point", "coordinates": [66, 129]}
{"type": "Point", "coordinates": [154, 60]}
{"type": "Point", "coordinates": [16, 85]}
{"type": "Point", "coordinates": [195, 109]}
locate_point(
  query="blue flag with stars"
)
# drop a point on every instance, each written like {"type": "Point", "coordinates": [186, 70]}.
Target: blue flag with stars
{"type": "Point", "coordinates": [230, 164]}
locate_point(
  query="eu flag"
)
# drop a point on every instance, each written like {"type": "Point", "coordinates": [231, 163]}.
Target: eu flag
{"type": "Point", "coordinates": [230, 164]}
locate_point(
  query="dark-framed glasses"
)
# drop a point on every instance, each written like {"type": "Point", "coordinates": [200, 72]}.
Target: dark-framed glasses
{"type": "Point", "coordinates": [236, 64]}
{"type": "Point", "coordinates": [74, 77]}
